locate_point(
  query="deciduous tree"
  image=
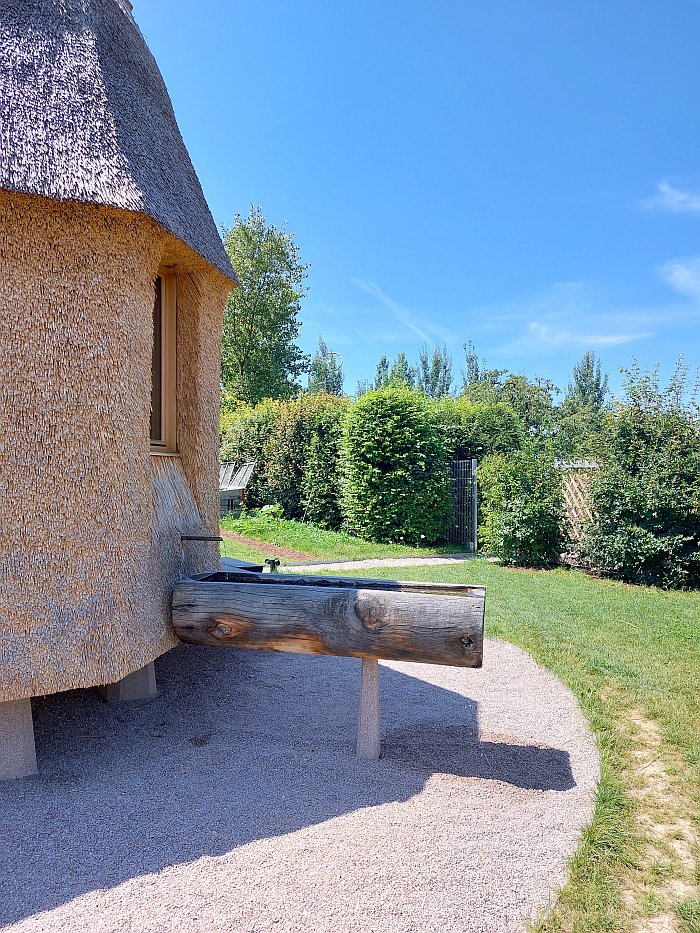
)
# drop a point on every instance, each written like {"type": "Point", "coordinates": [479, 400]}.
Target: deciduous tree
{"type": "Point", "coordinates": [259, 355]}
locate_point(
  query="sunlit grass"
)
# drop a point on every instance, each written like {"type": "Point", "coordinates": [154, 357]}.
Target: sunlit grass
{"type": "Point", "coordinates": [314, 541]}
{"type": "Point", "coordinates": [623, 651]}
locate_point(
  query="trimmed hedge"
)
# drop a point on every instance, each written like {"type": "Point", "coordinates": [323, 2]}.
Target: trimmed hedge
{"type": "Point", "coordinates": [396, 483]}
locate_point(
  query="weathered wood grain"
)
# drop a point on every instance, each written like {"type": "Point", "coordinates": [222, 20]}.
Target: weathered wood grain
{"type": "Point", "coordinates": [350, 617]}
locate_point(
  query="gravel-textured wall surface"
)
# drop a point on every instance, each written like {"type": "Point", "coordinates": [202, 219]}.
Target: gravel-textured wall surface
{"type": "Point", "coordinates": [90, 535]}
{"type": "Point", "coordinates": [233, 802]}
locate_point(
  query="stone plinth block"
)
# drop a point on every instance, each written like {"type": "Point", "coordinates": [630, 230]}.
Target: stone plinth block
{"type": "Point", "coordinates": [141, 685]}
{"type": "Point", "coordinates": [17, 752]}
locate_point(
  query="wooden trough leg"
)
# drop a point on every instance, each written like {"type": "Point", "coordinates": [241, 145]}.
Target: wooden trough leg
{"type": "Point", "coordinates": [141, 685]}
{"type": "Point", "coordinates": [369, 720]}
{"type": "Point", "coordinates": [17, 752]}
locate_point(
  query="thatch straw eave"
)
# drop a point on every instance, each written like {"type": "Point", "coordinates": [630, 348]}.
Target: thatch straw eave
{"type": "Point", "coordinates": [85, 117]}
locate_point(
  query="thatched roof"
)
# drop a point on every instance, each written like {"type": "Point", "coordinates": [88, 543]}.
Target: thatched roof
{"type": "Point", "coordinates": [85, 116]}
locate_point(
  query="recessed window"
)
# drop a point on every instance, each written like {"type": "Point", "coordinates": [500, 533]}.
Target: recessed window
{"type": "Point", "coordinates": [164, 366]}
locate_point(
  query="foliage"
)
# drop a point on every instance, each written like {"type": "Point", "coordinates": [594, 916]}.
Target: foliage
{"type": "Point", "coordinates": [521, 507]}
{"type": "Point", "coordinates": [381, 376]}
{"type": "Point", "coordinates": [325, 372]}
{"type": "Point", "coordinates": [583, 416]}
{"type": "Point", "coordinates": [434, 372]}
{"type": "Point", "coordinates": [618, 648]}
{"type": "Point", "coordinates": [402, 373]}
{"type": "Point", "coordinates": [320, 487]}
{"type": "Point", "coordinates": [589, 387]}
{"type": "Point", "coordinates": [287, 479]}
{"type": "Point", "coordinates": [259, 356]}
{"type": "Point", "coordinates": [395, 479]}
{"type": "Point", "coordinates": [646, 497]}
{"type": "Point", "coordinates": [531, 400]}
{"type": "Point", "coordinates": [477, 429]}
{"type": "Point", "coordinates": [246, 435]}
{"type": "Point", "coordinates": [478, 383]}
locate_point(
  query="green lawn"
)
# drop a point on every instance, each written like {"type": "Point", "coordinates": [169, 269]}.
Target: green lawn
{"type": "Point", "coordinates": [632, 657]}
{"type": "Point", "coordinates": [309, 539]}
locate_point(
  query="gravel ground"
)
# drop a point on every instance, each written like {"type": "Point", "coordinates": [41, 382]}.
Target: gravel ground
{"type": "Point", "coordinates": [314, 565]}
{"type": "Point", "coordinates": [233, 802]}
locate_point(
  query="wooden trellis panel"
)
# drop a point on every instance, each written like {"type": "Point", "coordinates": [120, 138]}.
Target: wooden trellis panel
{"type": "Point", "coordinates": [577, 476]}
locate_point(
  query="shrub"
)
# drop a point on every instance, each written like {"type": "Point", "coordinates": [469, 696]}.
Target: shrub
{"type": "Point", "coordinates": [646, 498]}
{"type": "Point", "coordinates": [395, 479]}
{"type": "Point", "coordinates": [521, 506]}
{"type": "Point", "coordinates": [320, 490]}
{"type": "Point", "coordinates": [247, 433]}
{"type": "Point", "coordinates": [477, 429]}
{"type": "Point", "coordinates": [302, 457]}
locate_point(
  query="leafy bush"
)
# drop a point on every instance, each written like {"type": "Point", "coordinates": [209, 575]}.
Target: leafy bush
{"type": "Point", "coordinates": [521, 506]}
{"type": "Point", "coordinates": [477, 429]}
{"type": "Point", "coordinates": [296, 448]}
{"type": "Point", "coordinates": [302, 457]}
{"type": "Point", "coordinates": [646, 497]}
{"type": "Point", "coordinates": [246, 435]}
{"type": "Point", "coordinates": [395, 478]}
{"type": "Point", "coordinates": [320, 488]}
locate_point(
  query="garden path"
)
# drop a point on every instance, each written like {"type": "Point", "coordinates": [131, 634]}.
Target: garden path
{"type": "Point", "coordinates": [314, 565]}
{"type": "Point", "coordinates": [234, 802]}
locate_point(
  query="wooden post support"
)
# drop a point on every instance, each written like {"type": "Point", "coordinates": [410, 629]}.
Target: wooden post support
{"type": "Point", "coordinates": [369, 746]}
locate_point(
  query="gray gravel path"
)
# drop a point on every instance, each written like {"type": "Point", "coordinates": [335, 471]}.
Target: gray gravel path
{"type": "Point", "coordinates": [233, 802]}
{"type": "Point", "coordinates": [376, 562]}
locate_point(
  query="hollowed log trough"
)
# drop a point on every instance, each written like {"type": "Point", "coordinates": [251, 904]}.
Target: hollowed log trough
{"type": "Point", "coordinates": [432, 623]}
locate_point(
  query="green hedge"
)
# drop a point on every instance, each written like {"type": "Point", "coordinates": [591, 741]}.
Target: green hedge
{"type": "Point", "coordinates": [396, 483]}
{"type": "Point", "coordinates": [521, 507]}
{"type": "Point", "coordinates": [646, 497]}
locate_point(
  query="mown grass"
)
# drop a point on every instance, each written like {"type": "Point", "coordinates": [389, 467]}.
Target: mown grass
{"type": "Point", "coordinates": [328, 545]}
{"type": "Point", "coordinates": [630, 654]}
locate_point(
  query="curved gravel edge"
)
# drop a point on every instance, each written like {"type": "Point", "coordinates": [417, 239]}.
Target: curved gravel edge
{"type": "Point", "coordinates": [234, 802]}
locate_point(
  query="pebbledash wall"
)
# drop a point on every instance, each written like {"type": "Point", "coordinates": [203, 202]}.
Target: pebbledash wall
{"type": "Point", "coordinates": [93, 206]}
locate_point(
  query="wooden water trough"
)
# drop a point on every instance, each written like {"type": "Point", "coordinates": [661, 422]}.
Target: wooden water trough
{"type": "Point", "coordinates": [432, 623]}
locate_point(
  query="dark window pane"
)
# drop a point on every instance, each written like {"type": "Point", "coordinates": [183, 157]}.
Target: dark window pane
{"type": "Point", "coordinates": [157, 368]}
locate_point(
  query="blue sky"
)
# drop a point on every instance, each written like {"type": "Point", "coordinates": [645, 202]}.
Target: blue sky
{"type": "Point", "coordinates": [524, 174]}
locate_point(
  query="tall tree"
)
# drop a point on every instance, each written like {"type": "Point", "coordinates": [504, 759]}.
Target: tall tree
{"type": "Point", "coordinates": [381, 376]}
{"type": "Point", "coordinates": [401, 372]}
{"type": "Point", "coordinates": [434, 372]}
{"type": "Point", "coordinates": [589, 387]}
{"type": "Point", "coordinates": [259, 355]}
{"type": "Point", "coordinates": [472, 371]}
{"type": "Point", "coordinates": [325, 371]}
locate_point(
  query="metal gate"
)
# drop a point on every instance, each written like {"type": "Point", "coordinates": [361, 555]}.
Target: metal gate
{"type": "Point", "coordinates": [464, 522]}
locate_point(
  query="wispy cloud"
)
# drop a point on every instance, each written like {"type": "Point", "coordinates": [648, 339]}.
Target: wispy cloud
{"type": "Point", "coordinates": [346, 323]}
{"type": "Point", "coordinates": [547, 337]}
{"type": "Point", "coordinates": [423, 327]}
{"type": "Point", "coordinates": [683, 275]}
{"type": "Point", "coordinates": [670, 200]}
{"type": "Point", "coordinates": [569, 315]}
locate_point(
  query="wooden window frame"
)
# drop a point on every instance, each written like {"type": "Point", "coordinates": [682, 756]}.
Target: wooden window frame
{"type": "Point", "coordinates": [166, 443]}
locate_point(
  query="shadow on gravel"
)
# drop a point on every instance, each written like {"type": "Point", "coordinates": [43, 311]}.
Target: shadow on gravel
{"type": "Point", "coordinates": [239, 746]}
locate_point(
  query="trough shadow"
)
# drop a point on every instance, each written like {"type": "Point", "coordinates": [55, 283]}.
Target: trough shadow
{"type": "Point", "coordinates": [239, 746]}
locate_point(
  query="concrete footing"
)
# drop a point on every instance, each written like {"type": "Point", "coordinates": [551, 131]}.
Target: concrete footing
{"type": "Point", "coordinates": [17, 752]}
{"type": "Point", "coordinates": [141, 685]}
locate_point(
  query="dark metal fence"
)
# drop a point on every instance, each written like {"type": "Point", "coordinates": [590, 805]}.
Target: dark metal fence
{"type": "Point", "coordinates": [463, 528]}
